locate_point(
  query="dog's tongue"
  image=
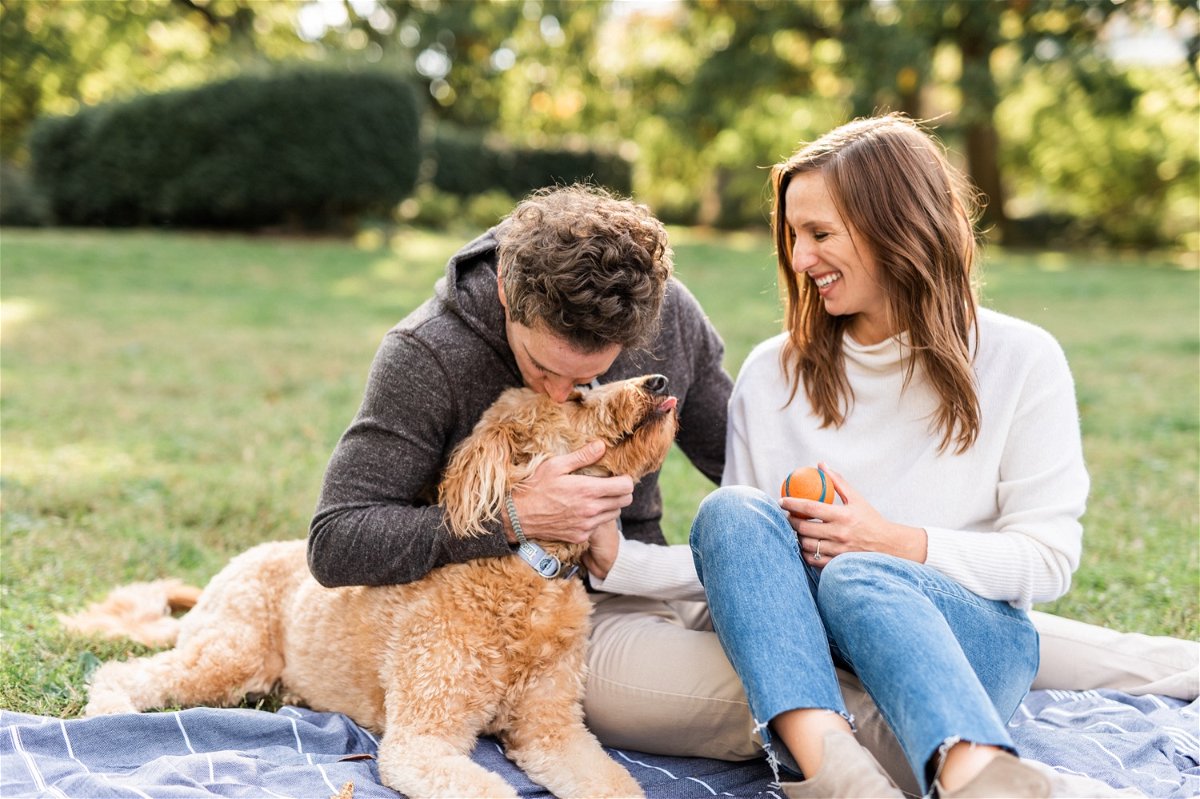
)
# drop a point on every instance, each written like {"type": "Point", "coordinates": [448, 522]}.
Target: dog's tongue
{"type": "Point", "coordinates": [667, 405]}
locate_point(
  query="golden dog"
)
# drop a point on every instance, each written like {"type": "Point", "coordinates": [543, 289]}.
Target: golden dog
{"type": "Point", "coordinates": [488, 646]}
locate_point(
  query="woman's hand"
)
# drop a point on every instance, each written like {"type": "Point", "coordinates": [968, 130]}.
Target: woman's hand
{"type": "Point", "coordinates": [853, 526]}
{"type": "Point", "coordinates": [602, 552]}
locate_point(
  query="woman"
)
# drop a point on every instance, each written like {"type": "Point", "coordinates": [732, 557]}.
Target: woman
{"type": "Point", "coordinates": [955, 437]}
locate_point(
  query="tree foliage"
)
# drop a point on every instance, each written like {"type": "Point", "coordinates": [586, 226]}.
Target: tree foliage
{"type": "Point", "coordinates": [700, 94]}
{"type": "Point", "coordinates": [58, 56]}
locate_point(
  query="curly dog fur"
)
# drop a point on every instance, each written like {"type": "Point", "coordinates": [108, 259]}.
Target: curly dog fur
{"type": "Point", "coordinates": [487, 646]}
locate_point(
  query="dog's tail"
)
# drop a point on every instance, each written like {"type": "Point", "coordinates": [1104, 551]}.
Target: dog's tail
{"type": "Point", "coordinates": [141, 612]}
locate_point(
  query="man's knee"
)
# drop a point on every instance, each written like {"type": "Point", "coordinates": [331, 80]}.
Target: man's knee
{"type": "Point", "coordinates": [656, 686]}
{"type": "Point", "coordinates": [663, 722]}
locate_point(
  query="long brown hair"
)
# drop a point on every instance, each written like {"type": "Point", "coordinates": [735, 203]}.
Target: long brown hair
{"type": "Point", "coordinates": [915, 214]}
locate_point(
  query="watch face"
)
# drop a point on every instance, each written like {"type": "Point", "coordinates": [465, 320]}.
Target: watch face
{"type": "Point", "coordinates": [548, 566]}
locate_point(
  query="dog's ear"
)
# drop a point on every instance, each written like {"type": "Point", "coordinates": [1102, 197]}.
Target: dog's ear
{"type": "Point", "coordinates": [476, 480]}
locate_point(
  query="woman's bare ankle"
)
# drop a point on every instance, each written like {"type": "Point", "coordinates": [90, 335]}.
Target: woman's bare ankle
{"type": "Point", "coordinates": [803, 733]}
{"type": "Point", "coordinates": [963, 762]}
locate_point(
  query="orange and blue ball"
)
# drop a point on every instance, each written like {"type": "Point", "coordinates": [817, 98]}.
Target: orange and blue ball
{"type": "Point", "coordinates": [808, 482]}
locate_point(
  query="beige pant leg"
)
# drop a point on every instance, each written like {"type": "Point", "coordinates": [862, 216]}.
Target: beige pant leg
{"type": "Point", "coordinates": [654, 685]}
{"type": "Point", "coordinates": [1081, 657]}
{"type": "Point", "coordinates": [659, 682]}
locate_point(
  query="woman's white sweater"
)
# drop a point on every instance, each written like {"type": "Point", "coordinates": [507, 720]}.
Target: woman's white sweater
{"type": "Point", "coordinates": [1002, 518]}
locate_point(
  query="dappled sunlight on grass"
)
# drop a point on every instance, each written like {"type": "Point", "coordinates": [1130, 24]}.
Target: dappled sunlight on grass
{"type": "Point", "coordinates": [424, 245]}
{"type": "Point", "coordinates": [16, 312]}
{"type": "Point", "coordinates": [75, 461]}
{"type": "Point", "coordinates": [739, 241]}
{"type": "Point", "coordinates": [1052, 262]}
{"type": "Point", "coordinates": [403, 272]}
{"type": "Point", "coordinates": [997, 256]}
{"type": "Point", "coordinates": [369, 239]}
{"type": "Point", "coordinates": [390, 279]}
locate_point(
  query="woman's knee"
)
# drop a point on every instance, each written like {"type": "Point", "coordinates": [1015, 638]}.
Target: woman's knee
{"type": "Point", "coordinates": [735, 515]}
{"type": "Point", "coordinates": [736, 521]}
{"type": "Point", "coordinates": [859, 579]}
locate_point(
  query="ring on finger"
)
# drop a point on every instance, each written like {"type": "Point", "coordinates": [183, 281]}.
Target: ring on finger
{"type": "Point", "coordinates": [817, 553]}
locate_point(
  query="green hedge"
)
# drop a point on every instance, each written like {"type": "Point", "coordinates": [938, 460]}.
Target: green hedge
{"type": "Point", "coordinates": [20, 204]}
{"type": "Point", "coordinates": [467, 163]}
{"type": "Point", "coordinates": [303, 148]}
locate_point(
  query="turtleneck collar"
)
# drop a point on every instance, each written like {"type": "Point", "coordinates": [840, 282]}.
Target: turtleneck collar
{"type": "Point", "coordinates": [885, 356]}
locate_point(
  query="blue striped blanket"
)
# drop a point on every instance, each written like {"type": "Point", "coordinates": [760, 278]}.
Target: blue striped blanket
{"type": "Point", "coordinates": [1147, 743]}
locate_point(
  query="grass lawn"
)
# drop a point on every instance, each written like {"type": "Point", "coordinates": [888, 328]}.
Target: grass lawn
{"type": "Point", "coordinates": [170, 399]}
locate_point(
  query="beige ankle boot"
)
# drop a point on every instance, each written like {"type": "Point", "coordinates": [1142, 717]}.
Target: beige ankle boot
{"type": "Point", "coordinates": [1005, 776]}
{"type": "Point", "coordinates": [848, 771]}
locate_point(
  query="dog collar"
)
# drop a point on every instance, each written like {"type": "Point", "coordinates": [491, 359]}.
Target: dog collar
{"type": "Point", "coordinates": [539, 560]}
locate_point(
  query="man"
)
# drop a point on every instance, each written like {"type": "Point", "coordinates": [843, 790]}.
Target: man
{"type": "Point", "coordinates": [573, 287]}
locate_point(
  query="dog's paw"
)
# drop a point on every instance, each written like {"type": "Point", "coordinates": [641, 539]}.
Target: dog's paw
{"type": "Point", "coordinates": [108, 704]}
{"type": "Point", "coordinates": [428, 768]}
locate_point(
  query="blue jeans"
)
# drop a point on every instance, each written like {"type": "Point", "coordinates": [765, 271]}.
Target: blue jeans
{"type": "Point", "coordinates": [941, 662]}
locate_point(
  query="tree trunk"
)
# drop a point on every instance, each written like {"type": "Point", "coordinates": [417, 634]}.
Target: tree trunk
{"type": "Point", "coordinates": [977, 34]}
{"type": "Point", "coordinates": [983, 163]}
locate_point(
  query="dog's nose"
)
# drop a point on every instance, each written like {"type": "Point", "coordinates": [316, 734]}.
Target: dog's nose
{"type": "Point", "coordinates": [656, 384]}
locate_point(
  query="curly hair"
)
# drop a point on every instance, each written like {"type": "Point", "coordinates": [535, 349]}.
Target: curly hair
{"type": "Point", "coordinates": [590, 267]}
{"type": "Point", "coordinates": [916, 214]}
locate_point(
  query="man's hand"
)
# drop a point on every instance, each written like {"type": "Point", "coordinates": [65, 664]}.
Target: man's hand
{"type": "Point", "coordinates": [556, 505]}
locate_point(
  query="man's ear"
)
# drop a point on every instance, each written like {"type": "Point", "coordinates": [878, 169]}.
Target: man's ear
{"type": "Point", "coordinates": [500, 288]}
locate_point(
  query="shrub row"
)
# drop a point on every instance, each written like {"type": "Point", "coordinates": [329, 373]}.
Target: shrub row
{"type": "Point", "coordinates": [20, 203]}
{"type": "Point", "coordinates": [466, 163]}
{"type": "Point", "coordinates": [306, 148]}
{"type": "Point", "coordinates": [303, 148]}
